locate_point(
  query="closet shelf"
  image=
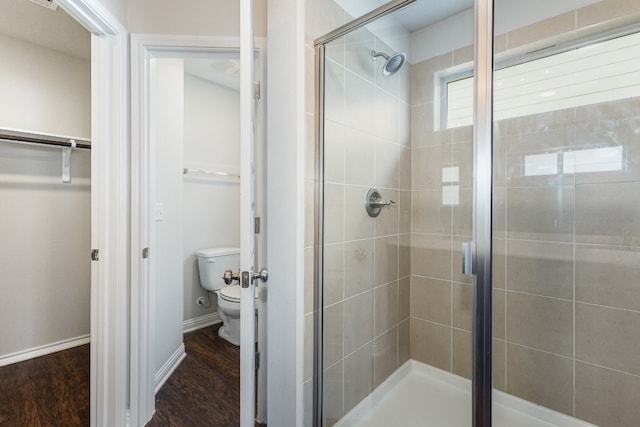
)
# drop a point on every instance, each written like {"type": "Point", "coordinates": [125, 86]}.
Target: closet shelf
{"type": "Point", "coordinates": [66, 144]}
{"type": "Point", "coordinates": [216, 174]}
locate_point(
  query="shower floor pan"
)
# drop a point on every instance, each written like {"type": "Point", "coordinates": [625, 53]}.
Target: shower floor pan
{"type": "Point", "coordinates": [421, 395]}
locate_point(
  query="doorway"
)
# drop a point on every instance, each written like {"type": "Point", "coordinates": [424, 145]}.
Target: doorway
{"type": "Point", "coordinates": [188, 186]}
{"type": "Point", "coordinates": [46, 217]}
{"type": "Point", "coordinates": [109, 228]}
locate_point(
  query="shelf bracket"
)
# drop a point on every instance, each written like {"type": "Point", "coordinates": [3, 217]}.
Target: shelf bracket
{"type": "Point", "coordinates": [66, 161]}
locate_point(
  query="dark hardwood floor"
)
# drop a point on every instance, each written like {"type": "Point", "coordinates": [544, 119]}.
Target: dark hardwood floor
{"type": "Point", "coordinates": [53, 390]}
{"type": "Point", "coordinates": [205, 389]}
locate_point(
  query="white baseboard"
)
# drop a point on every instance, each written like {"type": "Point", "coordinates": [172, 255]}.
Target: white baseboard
{"type": "Point", "coordinates": [178, 356]}
{"type": "Point", "coordinates": [43, 350]}
{"type": "Point", "coordinates": [169, 366]}
{"type": "Point", "coordinates": [191, 325]}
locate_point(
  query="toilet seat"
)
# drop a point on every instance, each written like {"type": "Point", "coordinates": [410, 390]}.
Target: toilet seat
{"type": "Point", "coordinates": [231, 293]}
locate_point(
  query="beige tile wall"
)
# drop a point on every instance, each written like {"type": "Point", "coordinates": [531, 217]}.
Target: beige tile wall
{"type": "Point", "coordinates": [367, 261]}
{"type": "Point", "coordinates": [566, 250]}
{"type": "Point", "coordinates": [366, 311]}
{"type": "Point", "coordinates": [440, 308]}
{"type": "Point", "coordinates": [571, 265]}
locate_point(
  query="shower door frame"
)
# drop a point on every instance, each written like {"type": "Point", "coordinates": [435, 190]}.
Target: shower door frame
{"type": "Point", "coordinates": [480, 254]}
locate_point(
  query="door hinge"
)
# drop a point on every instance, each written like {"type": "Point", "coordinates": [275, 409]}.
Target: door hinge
{"type": "Point", "coordinates": [145, 253]}
{"type": "Point", "coordinates": [95, 255]}
{"type": "Point", "coordinates": [257, 89]}
{"type": "Point", "coordinates": [256, 225]}
{"type": "Point", "coordinates": [257, 360]}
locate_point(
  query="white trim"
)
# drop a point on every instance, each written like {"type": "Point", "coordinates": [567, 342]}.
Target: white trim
{"type": "Point", "coordinates": [168, 368]}
{"type": "Point", "coordinates": [247, 249]}
{"type": "Point", "coordinates": [141, 387]}
{"type": "Point", "coordinates": [109, 211]}
{"type": "Point", "coordinates": [200, 322]}
{"type": "Point", "coordinates": [260, 197]}
{"type": "Point", "coordinates": [93, 16]}
{"type": "Point", "coordinates": [43, 350]}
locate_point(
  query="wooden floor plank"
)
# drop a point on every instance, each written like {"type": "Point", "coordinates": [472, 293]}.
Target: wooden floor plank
{"type": "Point", "coordinates": [53, 390]}
{"type": "Point", "coordinates": [205, 389]}
{"type": "Point", "coordinates": [16, 401]}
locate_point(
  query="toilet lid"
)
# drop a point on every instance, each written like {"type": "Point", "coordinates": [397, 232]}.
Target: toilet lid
{"type": "Point", "coordinates": [231, 293]}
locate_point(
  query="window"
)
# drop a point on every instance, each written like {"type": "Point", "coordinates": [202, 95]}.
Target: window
{"type": "Point", "coordinates": [600, 72]}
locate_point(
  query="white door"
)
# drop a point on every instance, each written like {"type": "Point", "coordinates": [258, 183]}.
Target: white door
{"type": "Point", "coordinates": [247, 250]}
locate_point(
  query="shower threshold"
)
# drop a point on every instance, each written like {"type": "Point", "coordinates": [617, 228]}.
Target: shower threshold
{"type": "Point", "coordinates": [421, 395]}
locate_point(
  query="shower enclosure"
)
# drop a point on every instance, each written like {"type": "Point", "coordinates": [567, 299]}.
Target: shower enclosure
{"type": "Point", "coordinates": [478, 205]}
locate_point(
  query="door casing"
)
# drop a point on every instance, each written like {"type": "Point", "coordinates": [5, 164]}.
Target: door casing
{"type": "Point", "coordinates": [109, 211]}
{"type": "Point", "coordinates": [143, 49]}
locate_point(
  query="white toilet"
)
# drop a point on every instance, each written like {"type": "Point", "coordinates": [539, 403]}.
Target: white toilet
{"type": "Point", "coordinates": [212, 264]}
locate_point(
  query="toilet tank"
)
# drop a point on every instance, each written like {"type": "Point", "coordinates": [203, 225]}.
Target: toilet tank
{"type": "Point", "coordinates": [213, 262]}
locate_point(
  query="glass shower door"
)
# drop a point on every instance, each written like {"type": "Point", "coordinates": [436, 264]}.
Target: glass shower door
{"type": "Point", "coordinates": [366, 259]}
{"type": "Point", "coordinates": [396, 186]}
{"type": "Point", "coordinates": [566, 257]}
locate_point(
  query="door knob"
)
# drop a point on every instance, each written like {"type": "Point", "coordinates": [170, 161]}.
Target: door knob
{"type": "Point", "coordinates": [263, 275]}
{"type": "Point", "coordinates": [229, 276]}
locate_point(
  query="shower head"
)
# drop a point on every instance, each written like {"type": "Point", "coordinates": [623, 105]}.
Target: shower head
{"type": "Point", "coordinates": [393, 63]}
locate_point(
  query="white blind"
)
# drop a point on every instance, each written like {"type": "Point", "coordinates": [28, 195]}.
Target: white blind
{"type": "Point", "coordinates": [600, 72]}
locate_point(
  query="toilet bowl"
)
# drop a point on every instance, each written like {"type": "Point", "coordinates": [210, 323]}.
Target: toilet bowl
{"type": "Point", "coordinates": [212, 264]}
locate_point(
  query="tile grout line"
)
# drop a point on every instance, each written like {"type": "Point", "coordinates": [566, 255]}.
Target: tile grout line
{"type": "Point", "coordinates": [574, 271]}
{"type": "Point", "coordinates": [344, 252]}
{"type": "Point", "coordinates": [505, 249]}
{"type": "Point", "coordinates": [451, 222]}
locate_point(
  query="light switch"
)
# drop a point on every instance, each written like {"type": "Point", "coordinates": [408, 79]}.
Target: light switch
{"type": "Point", "coordinates": [159, 212]}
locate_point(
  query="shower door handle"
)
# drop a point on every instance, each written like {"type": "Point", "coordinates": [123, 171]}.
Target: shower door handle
{"type": "Point", "coordinates": [469, 258]}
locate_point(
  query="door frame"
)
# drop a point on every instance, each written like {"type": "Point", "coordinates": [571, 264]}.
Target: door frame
{"type": "Point", "coordinates": [143, 48]}
{"type": "Point", "coordinates": [109, 211]}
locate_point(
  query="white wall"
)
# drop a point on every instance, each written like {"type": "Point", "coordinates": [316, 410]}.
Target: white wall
{"type": "Point", "coordinates": [45, 227]}
{"type": "Point", "coordinates": [211, 206]}
{"type": "Point", "coordinates": [285, 211]}
{"type": "Point", "coordinates": [118, 8]}
{"type": "Point", "coordinates": [195, 124]}
{"type": "Point", "coordinates": [43, 90]}
{"type": "Point", "coordinates": [167, 92]}
{"type": "Point", "coordinates": [191, 17]}
{"type": "Point", "coordinates": [45, 224]}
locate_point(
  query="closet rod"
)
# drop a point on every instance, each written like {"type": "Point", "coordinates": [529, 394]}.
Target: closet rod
{"type": "Point", "coordinates": [40, 139]}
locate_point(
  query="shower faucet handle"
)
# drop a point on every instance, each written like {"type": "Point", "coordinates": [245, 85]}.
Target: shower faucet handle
{"type": "Point", "coordinates": [374, 202]}
{"type": "Point", "coordinates": [378, 203]}
{"type": "Point", "coordinates": [229, 276]}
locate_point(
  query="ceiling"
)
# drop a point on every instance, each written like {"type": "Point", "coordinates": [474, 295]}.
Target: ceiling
{"type": "Point", "coordinates": [221, 71]}
{"type": "Point", "coordinates": [426, 12]}
{"type": "Point", "coordinates": [51, 29]}
{"type": "Point", "coordinates": [419, 14]}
